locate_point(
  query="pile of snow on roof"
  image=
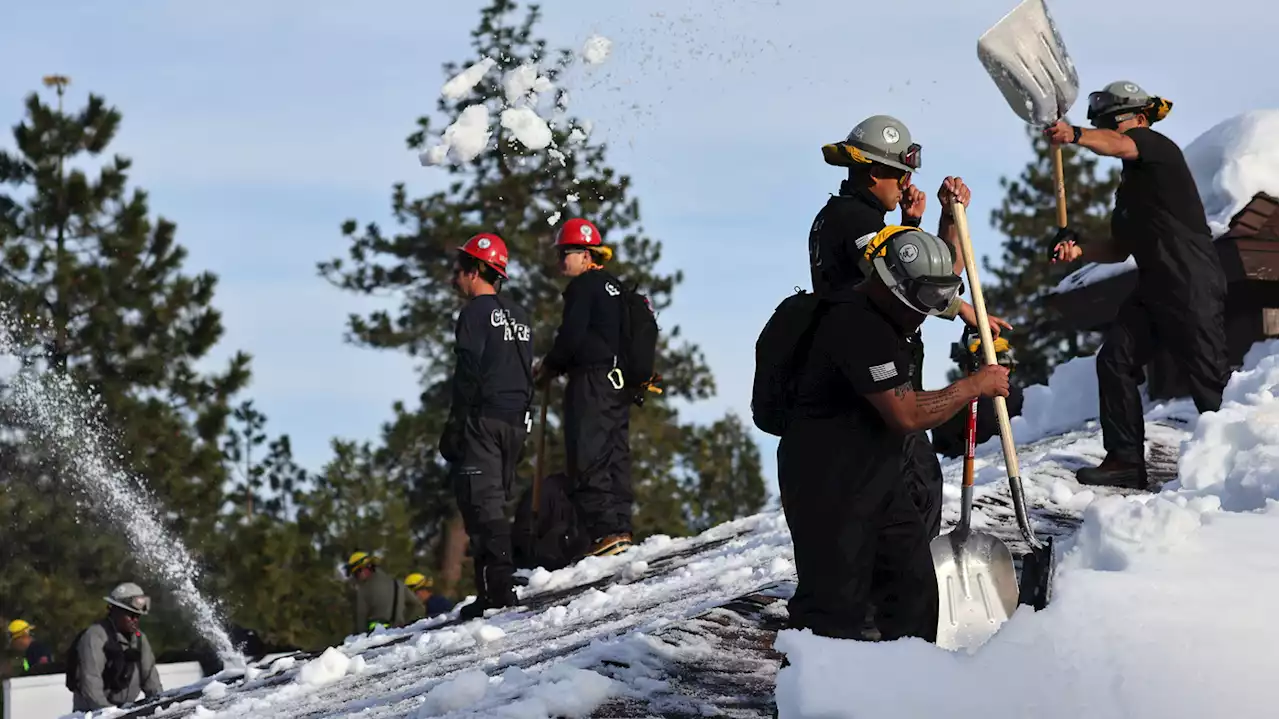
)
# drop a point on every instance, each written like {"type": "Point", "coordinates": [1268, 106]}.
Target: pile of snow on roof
{"type": "Point", "coordinates": [1165, 605]}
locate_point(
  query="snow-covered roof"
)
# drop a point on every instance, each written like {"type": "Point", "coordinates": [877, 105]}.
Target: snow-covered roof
{"type": "Point", "coordinates": [689, 627]}
{"type": "Point", "coordinates": [1231, 162]}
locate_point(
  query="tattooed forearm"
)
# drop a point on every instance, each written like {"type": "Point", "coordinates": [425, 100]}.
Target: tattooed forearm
{"type": "Point", "coordinates": [934, 408]}
{"type": "Point", "coordinates": [901, 390]}
{"type": "Point", "coordinates": [932, 402]}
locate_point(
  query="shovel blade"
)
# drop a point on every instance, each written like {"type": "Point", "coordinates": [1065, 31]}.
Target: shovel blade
{"type": "Point", "coordinates": [1025, 56]}
{"type": "Point", "coordinates": [977, 587]}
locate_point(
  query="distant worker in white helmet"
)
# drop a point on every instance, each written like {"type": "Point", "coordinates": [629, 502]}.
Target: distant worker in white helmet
{"type": "Point", "coordinates": [881, 158]}
{"type": "Point", "coordinates": [111, 662]}
{"type": "Point", "coordinates": [1179, 302]}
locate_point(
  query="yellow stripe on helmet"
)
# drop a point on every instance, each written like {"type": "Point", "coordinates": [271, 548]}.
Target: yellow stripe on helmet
{"type": "Point", "coordinates": [842, 154]}
{"type": "Point", "coordinates": [879, 245]}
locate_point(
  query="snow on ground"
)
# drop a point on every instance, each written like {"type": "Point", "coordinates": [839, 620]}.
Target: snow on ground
{"type": "Point", "coordinates": [1165, 605]}
{"type": "Point", "coordinates": [1231, 162]}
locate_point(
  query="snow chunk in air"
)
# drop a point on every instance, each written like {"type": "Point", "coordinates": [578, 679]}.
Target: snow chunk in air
{"type": "Point", "coordinates": [524, 81]}
{"type": "Point", "coordinates": [596, 49]}
{"type": "Point", "coordinates": [459, 85]}
{"type": "Point", "coordinates": [462, 141]}
{"type": "Point", "coordinates": [529, 129]}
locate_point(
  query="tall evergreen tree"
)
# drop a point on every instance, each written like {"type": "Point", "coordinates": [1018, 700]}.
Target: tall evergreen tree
{"type": "Point", "coordinates": [100, 285]}
{"type": "Point", "coordinates": [512, 191]}
{"type": "Point", "coordinates": [1022, 280]}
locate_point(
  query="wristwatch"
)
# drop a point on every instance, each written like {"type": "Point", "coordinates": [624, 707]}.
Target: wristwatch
{"type": "Point", "coordinates": [1075, 139]}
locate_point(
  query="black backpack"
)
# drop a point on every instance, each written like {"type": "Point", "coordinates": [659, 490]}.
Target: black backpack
{"type": "Point", "coordinates": [639, 342]}
{"type": "Point", "coordinates": [117, 672]}
{"type": "Point", "coordinates": [552, 541]}
{"type": "Point", "coordinates": [783, 342]}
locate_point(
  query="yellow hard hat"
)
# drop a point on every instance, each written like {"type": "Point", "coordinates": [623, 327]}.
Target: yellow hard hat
{"type": "Point", "coordinates": [417, 581]}
{"type": "Point", "coordinates": [1000, 344]}
{"type": "Point", "coordinates": [18, 627]}
{"type": "Point", "coordinates": [359, 560]}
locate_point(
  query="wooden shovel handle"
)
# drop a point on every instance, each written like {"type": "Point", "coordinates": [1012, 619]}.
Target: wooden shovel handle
{"type": "Point", "coordinates": [1059, 186]}
{"type": "Point", "coordinates": [984, 331]}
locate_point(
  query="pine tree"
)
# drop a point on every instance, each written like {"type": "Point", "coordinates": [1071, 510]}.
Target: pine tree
{"type": "Point", "coordinates": [1022, 280]}
{"type": "Point", "coordinates": [514, 191]}
{"type": "Point", "coordinates": [100, 286]}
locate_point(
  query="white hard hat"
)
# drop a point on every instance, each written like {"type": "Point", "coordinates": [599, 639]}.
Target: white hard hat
{"type": "Point", "coordinates": [129, 597]}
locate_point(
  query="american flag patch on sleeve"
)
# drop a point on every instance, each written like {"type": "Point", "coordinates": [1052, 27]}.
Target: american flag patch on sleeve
{"type": "Point", "coordinates": [882, 372]}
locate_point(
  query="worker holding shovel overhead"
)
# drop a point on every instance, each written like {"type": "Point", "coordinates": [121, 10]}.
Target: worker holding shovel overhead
{"type": "Point", "coordinates": [1181, 294]}
{"type": "Point", "coordinates": [857, 533]}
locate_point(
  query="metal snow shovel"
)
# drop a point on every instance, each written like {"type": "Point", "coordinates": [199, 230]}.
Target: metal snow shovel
{"type": "Point", "coordinates": [977, 585]}
{"type": "Point", "coordinates": [1035, 587]}
{"type": "Point", "coordinates": [1025, 56]}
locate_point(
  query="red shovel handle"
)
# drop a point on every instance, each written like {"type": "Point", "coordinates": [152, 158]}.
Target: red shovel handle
{"type": "Point", "coordinates": [971, 442]}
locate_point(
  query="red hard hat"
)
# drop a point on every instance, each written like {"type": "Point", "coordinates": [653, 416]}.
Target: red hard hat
{"type": "Point", "coordinates": [489, 249]}
{"type": "Point", "coordinates": [579, 232]}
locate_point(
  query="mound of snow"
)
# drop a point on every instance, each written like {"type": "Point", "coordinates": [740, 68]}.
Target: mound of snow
{"type": "Point", "coordinates": [1165, 606]}
{"type": "Point", "coordinates": [1231, 162]}
{"type": "Point", "coordinates": [1234, 453]}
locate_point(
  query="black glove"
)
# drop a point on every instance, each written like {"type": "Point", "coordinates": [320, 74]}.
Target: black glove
{"type": "Point", "coordinates": [1064, 234]}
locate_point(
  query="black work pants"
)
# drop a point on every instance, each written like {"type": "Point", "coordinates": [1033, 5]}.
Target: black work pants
{"type": "Point", "coordinates": [482, 482]}
{"type": "Point", "coordinates": [597, 447]}
{"type": "Point", "coordinates": [858, 535]}
{"type": "Point", "coordinates": [923, 475]}
{"type": "Point", "coordinates": [1193, 335]}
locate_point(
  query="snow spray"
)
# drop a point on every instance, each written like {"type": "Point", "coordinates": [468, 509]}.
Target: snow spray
{"type": "Point", "coordinates": [53, 411]}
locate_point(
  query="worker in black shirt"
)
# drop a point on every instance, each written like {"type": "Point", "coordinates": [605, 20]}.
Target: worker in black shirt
{"type": "Point", "coordinates": [489, 415]}
{"type": "Point", "coordinates": [596, 410]}
{"type": "Point", "coordinates": [856, 532]}
{"type": "Point", "coordinates": [1181, 294]}
{"type": "Point", "coordinates": [881, 157]}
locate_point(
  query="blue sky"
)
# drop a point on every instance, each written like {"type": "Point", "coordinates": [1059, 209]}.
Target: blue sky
{"type": "Point", "coordinates": [259, 126]}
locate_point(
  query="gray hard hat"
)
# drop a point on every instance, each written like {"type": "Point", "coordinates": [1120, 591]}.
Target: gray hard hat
{"type": "Point", "coordinates": [129, 597]}
{"type": "Point", "coordinates": [1117, 97]}
{"type": "Point", "coordinates": [916, 266]}
{"type": "Point", "coordinates": [879, 138]}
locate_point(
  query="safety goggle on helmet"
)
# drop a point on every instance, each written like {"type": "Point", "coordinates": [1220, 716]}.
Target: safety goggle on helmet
{"type": "Point", "coordinates": [129, 597]}
{"type": "Point", "coordinates": [1122, 101]}
{"type": "Point", "coordinates": [916, 267]}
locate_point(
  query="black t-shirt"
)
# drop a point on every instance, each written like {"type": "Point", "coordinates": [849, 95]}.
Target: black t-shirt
{"type": "Point", "coordinates": [494, 349]}
{"type": "Point", "coordinates": [834, 254]}
{"type": "Point", "coordinates": [36, 655]}
{"type": "Point", "coordinates": [1160, 220]}
{"type": "Point", "coordinates": [857, 350]}
{"type": "Point", "coordinates": [591, 326]}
